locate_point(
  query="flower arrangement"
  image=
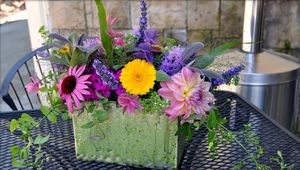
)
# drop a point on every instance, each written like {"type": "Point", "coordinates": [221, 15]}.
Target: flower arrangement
{"type": "Point", "coordinates": [137, 73]}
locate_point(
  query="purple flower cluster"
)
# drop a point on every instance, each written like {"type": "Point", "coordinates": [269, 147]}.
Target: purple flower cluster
{"type": "Point", "coordinates": [97, 86]}
{"type": "Point", "coordinates": [227, 75]}
{"type": "Point", "coordinates": [90, 43]}
{"type": "Point", "coordinates": [143, 21]}
{"type": "Point", "coordinates": [173, 63]}
{"type": "Point", "coordinates": [151, 35]}
{"type": "Point", "coordinates": [145, 51]}
{"type": "Point", "coordinates": [107, 77]}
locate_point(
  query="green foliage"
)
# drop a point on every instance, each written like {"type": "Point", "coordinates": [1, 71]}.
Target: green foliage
{"type": "Point", "coordinates": [170, 42]}
{"type": "Point", "coordinates": [202, 62]}
{"type": "Point", "coordinates": [279, 159]}
{"type": "Point", "coordinates": [186, 130]}
{"type": "Point", "coordinates": [106, 40]}
{"type": "Point", "coordinates": [153, 103]}
{"type": "Point", "coordinates": [21, 155]}
{"type": "Point", "coordinates": [162, 76]}
{"type": "Point", "coordinates": [88, 125]}
{"type": "Point", "coordinates": [44, 32]}
{"type": "Point", "coordinates": [39, 140]}
{"type": "Point", "coordinates": [122, 53]}
{"type": "Point", "coordinates": [79, 57]}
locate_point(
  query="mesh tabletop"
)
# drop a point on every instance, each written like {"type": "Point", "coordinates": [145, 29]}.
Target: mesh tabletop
{"type": "Point", "coordinates": [60, 148]}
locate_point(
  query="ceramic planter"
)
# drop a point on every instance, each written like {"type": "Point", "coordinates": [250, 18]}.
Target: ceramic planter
{"type": "Point", "coordinates": [142, 139]}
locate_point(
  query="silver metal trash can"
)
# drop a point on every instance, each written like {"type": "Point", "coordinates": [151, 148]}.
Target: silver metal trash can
{"type": "Point", "coordinates": [270, 79]}
{"type": "Point", "coordinates": [270, 83]}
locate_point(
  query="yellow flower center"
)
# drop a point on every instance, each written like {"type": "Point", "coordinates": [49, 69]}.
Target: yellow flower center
{"type": "Point", "coordinates": [65, 49]}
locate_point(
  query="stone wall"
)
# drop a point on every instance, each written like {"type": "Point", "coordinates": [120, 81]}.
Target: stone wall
{"type": "Point", "coordinates": [209, 21]}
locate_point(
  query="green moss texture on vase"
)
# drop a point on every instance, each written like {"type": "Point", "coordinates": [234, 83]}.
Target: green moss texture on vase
{"type": "Point", "coordinates": [142, 139]}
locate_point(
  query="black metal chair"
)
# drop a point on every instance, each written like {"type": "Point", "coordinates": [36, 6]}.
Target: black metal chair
{"type": "Point", "coordinates": [13, 91]}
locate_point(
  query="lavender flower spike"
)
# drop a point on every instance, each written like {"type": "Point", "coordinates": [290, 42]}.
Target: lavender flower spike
{"type": "Point", "coordinates": [227, 76]}
{"type": "Point", "coordinates": [143, 21]}
{"type": "Point", "coordinates": [106, 76]}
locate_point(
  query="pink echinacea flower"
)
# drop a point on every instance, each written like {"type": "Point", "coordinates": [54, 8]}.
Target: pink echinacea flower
{"type": "Point", "coordinates": [73, 86]}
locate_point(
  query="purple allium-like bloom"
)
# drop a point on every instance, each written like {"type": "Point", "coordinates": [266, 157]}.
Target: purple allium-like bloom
{"type": "Point", "coordinates": [173, 63]}
{"type": "Point", "coordinates": [90, 43]}
{"type": "Point", "coordinates": [227, 75]}
{"type": "Point", "coordinates": [143, 21]}
{"type": "Point", "coordinates": [107, 77]}
{"type": "Point", "coordinates": [151, 35]}
{"type": "Point", "coordinates": [144, 51]}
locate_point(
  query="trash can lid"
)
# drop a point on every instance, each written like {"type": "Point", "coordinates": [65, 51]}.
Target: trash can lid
{"type": "Point", "coordinates": [269, 68]}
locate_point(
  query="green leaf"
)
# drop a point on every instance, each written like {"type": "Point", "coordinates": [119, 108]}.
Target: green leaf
{"type": "Point", "coordinates": [43, 89]}
{"type": "Point", "coordinates": [203, 61]}
{"type": "Point", "coordinates": [117, 67]}
{"type": "Point", "coordinates": [56, 59]}
{"type": "Point", "coordinates": [14, 151]}
{"type": "Point", "coordinates": [106, 41]}
{"type": "Point", "coordinates": [91, 108]}
{"type": "Point", "coordinates": [88, 125]}
{"type": "Point", "coordinates": [211, 136]}
{"type": "Point", "coordinates": [162, 76]}
{"type": "Point", "coordinates": [52, 117]}
{"type": "Point", "coordinates": [79, 57]}
{"type": "Point", "coordinates": [14, 124]}
{"type": "Point", "coordinates": [195, 116]}
{"type": "Point", "coordinates": [100, 115]}
{"type": "Point", "coordinates": [18, 163]}
{"type": "Point", "coordinates": [211, 74]}
{"type": "Point", "coordinates": [65, 116]}
{"type": "Point", "coordinates": [212, 119]}
{"type": "Point", "coordinates": [186, 130]}
{"type": "Point", "coordinates": [26, 118]}
{"type": "Point", "coordinates": [45, 110]}
{"type": "Point", "coordinates": [39, 140]}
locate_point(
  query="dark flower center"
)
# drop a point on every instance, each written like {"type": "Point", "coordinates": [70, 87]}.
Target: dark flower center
{"type": "Point", "coordinates": [68, 84]}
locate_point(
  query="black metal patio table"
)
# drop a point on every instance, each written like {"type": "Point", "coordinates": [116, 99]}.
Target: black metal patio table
{"type": "Point", "coordinates": [273, 137]}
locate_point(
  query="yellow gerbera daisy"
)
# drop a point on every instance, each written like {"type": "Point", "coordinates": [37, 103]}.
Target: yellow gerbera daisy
{"type": "Point", "coordinates": [138, 77]}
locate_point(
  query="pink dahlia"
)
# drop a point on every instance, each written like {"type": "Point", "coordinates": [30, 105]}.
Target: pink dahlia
{"type": "Point", "coordinates": [34, 85]}
{"type": "Point", "coordinates": [188, 93]}
{"type": "Point", "coordinates": [129, 103]}
{"type": "Point", "coordinates": [73, 86]}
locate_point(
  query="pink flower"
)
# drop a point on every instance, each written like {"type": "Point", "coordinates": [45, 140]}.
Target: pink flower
{"type": "Point", "coordinates": [34, 85]}
{"type": "Point", "coordinates": [115, 35]}
{"type": "Point", "coordinates": [73, 86]}
{"type": "Point", "coordinates": [188, 93]}
{"type": "Point", "coordinates": [129, 103]}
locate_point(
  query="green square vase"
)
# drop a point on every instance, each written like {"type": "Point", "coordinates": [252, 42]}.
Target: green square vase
{"type": "Point", "coordinates": [142, 139]}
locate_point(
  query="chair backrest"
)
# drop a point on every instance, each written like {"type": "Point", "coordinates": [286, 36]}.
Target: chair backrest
{"type": "Point", "coordinates": [13, 90]}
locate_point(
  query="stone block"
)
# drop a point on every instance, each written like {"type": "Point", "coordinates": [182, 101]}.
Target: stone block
{"type": "Point", "coordinates": [161, 14]}
{"type": "Point", "coordinates": [203, 14]}
{"type": "Point", "coordinates": [204, 36]}
{"type": "Point", "coordinates": [232, 14]}
{"type": "Point", "coordinates": [119, 9]}
{"type": "Point", "coordinates": [282, 23]}
{"type": "Point", "coordinates": [67, 14]}
{"type": "Point", "coordinates": [178, 34]}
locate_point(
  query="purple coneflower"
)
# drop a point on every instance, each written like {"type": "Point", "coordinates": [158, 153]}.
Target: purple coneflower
{"type": "Point", "coordinates": [73, 86]}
